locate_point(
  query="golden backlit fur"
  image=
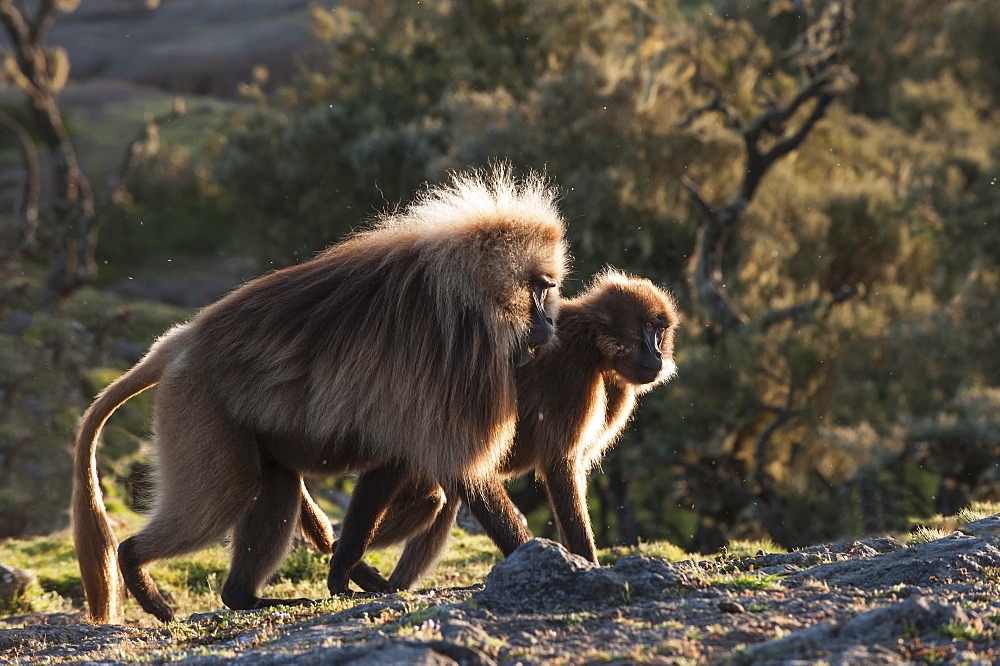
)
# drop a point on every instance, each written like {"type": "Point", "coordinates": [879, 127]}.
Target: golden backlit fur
{"type": "Point", "coordinates": [390, 354]}
{"type": "Point", "coordinates": [574, 401]}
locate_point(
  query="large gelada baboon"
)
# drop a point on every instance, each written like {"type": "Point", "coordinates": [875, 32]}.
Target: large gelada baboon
{"type": "Point", "coordinates": [615, 342]}
{"type": "Point", "coordinates": [390, 355]}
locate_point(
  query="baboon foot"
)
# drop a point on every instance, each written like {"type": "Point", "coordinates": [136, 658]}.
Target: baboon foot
{"type": "Point", "coordinates": [270, 603]}
{"type": "Point", "coordinates": [369, 579]}
{"type": "Point", "coordinates": [239, 596]}
{"type": "Point", "coordinates": [236, 601]}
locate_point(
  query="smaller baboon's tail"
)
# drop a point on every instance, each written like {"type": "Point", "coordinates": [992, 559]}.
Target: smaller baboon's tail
{"type": "Point", "coordinates": [96, 546]}
{"type": "Point", "coordinates": [315, 524]}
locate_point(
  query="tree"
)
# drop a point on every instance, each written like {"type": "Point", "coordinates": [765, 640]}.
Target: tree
{"type": "Point", "coordinates": [767, 137]}
{"type": "Point", "coordinates": [41, 72]}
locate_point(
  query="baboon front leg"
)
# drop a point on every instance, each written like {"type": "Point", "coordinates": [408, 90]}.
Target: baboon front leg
{"type": "Point", "coordinates": [424, 549]}
{"type": "Point", "coordinates": [372, 496]}
{"type": "Point", "coordinates": [262, 537]}
{"type": "Point", "coordinates": [566, 486]}
{"type": "Point", "coordinates": [491, 506]}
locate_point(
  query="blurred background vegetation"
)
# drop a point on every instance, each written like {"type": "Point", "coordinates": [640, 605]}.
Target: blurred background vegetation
{"type": "Point", "coordinates": [851, 383]}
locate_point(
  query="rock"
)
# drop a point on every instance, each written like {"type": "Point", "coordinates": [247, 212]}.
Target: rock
{"type": "Point", "coordinates": [916, 615]}
{"type": "Point", "coordinates": [954, 557]}
{"type": "Point", "coordinates": [730, 606]}
{"type": "Point", "coordinates": [864, 636]}
{"type": "Point", "coordinates": [13, 583]}
{"type": "Point", "coordinates": [986, 528]}
{"type": "Point", "coordinates": [648, 576]}
{"type": "Point", "coordinates": [383, 654]}
{"type": "Point", "coordinates": [883, 544]}
{"type": "Point", "coordinates": [53, 619]}
{"type": "Point", "coordinates": [465, 520]}
{"type": "Point", "coordinates": [542, 576]}
{"type": "Point", "coordinates": [462, 632]}
{"type": "Point", "coordinates": [783, 563]}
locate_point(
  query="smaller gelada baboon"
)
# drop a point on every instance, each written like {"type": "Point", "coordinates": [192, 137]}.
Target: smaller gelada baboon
{"type": "Point", "coordinates": [615, 342]}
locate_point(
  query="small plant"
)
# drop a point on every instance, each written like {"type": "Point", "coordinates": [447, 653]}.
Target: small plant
{"type": "Point", "coordinates": [890, 593]}
{"type": "Point", "coordinates": [926, 535]}
{"type": "Point", "coordinates": [746, 582]}
{"type": "Point", "coordinates": [744, 548]}
{"type": "Point", "coordinates": [660, 549]}
{"type": "Point", "coordinates": [419, 616]}
{"type": "Point", "coordinates": [574, 619]}
{"type": "Point", "coordinates": [977, 511]}
{"type": "Point", "coordinates": [964, 631]}
{"type": "Point", "coordinates": [304, 564]}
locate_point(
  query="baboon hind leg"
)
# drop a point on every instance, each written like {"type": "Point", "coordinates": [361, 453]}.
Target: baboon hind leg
{"type": "Point", "coordinates": [160, 539]}
{"type": "Point", "coordinates": [202, 485]}
{"type": "Point", "coordinates": [262, 537]}
{"type": "Point", "coordinates": [424, 549]}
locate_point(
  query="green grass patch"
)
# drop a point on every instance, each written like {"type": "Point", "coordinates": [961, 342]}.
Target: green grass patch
{"type": "Point", "coordinates": [745, 582]}
{"type": "Point", "coordinates": [745, 548]}
{"type": "Point", "coordinates": [660, 549]}
{"type": "Point", "coordinates": [964, 631]}
{"type": "Point", "coordinates": [925, 534]}
{"type": "Point", "coordinates": [53, 561]}
{"type": "Point", "coordinates": [977, 511]}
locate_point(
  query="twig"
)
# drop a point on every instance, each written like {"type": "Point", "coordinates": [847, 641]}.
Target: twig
{"type": "Point", "coordinates": [801, 312]}
{"type": "Point", "coordinates": [144, 141]}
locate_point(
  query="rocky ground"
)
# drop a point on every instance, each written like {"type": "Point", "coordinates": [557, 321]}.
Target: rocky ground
{"type": "Point", "coordinates": [866, 602]}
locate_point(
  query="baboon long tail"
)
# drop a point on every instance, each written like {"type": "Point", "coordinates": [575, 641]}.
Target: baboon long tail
{"type": "Point", "coordinates": [315, 524]}
{"type": "Point", "coordinates": [96, 545]}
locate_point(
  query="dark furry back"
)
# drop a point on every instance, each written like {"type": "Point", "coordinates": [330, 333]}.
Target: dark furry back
{"type": "Point", "coordinates": [399, 339]}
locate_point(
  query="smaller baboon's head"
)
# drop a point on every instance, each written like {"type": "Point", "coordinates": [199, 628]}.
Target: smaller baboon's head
{"type": "Point", "coordinates": [636, 338]}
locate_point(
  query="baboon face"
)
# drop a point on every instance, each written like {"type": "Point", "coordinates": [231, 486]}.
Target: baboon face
{"type": "Point", "coordinates": [544, 304]}
{"type": "Point", "coordinates": [643, 321]}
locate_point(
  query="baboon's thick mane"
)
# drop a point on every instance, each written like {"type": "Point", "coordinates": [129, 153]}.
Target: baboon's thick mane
{"type": "Point", "coordinates": [469, 249]}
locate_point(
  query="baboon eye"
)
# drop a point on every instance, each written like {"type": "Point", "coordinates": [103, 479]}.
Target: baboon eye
{"type": "Point", "coordinates": [649, 327]}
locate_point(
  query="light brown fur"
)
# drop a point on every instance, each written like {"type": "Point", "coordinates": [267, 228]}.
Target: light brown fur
{"type": "Point", "coordinates": [390, 355]}
{"type": "Point", "coordinates": [573, 403]}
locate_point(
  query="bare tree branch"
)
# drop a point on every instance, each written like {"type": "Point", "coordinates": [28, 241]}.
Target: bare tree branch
{"type": "Point", "coordinates": [21, 236]}
{"type": "Point", "coordinates": [705, 269]}
{"type": "Point", "coordinates": [43, 20]}
{"type": "Point", "coordinates": [145, 142]}
{"type": "Point", "coordinates": [801, 312]}
{"type": "Point", "coordinates": [74, 236]}
{"type": "Point", "coordinates": [716, 105]}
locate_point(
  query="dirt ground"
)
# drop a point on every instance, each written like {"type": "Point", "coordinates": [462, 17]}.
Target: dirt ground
{"type": "Point", "coordinates": [867, 602]}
